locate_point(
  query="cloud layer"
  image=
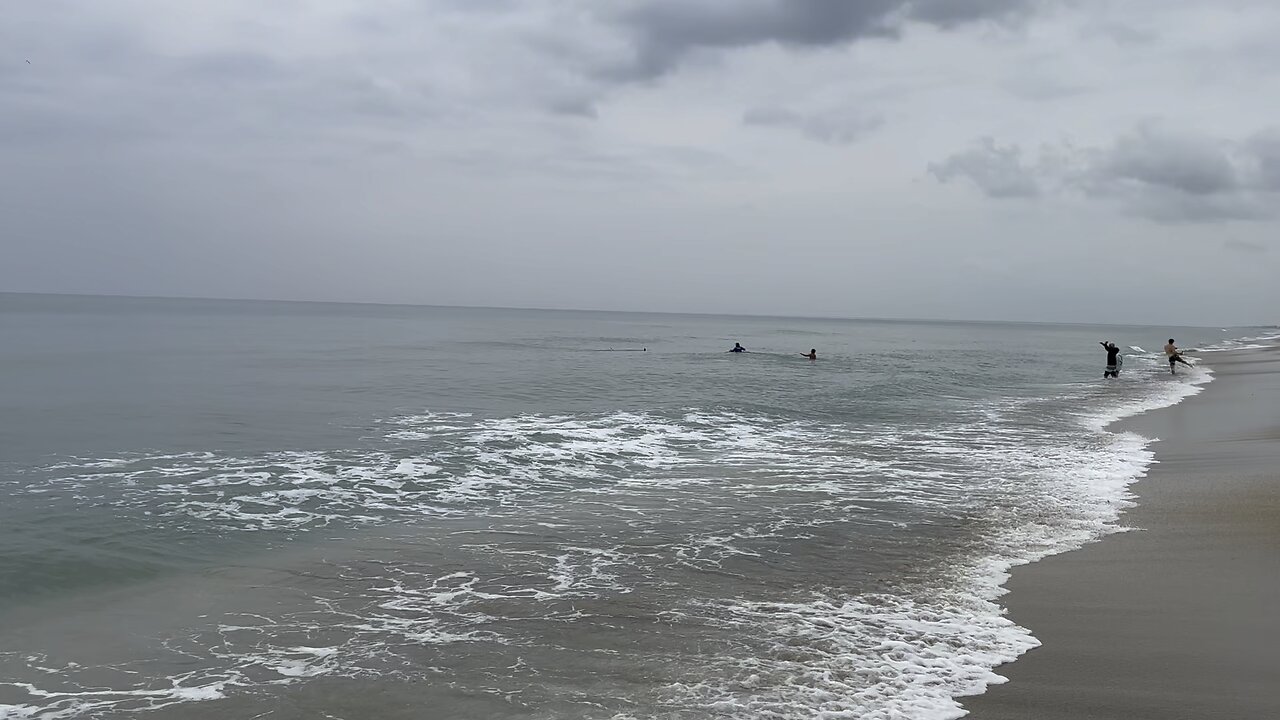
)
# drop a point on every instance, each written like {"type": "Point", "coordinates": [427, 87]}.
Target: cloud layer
{"type": "Point", "coordinates": [1161, 173]}
{"type": "Point", "coordinates": [665, 32]}
{"type": "Point", "coordinates": [647, 154]}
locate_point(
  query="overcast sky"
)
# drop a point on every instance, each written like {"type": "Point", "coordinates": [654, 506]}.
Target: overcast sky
{"type": "Point", "coordinates": [1077, 160]}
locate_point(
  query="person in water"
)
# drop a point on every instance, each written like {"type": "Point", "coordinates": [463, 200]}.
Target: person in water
{"type": "Point", "coordinates": [1174, 356]}
{"type": "Point", "coordinates": [812, 354]}
{"type": "Point", "coordinates": [737, 347]}
{"type": "Point", "coordinates": [1113, 360]}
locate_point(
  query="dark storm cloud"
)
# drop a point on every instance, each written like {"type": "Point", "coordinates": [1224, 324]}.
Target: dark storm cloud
{"type": "Point", "coordinates": [1160, 174]}
{"type": "Point", "coordinates": [666, 31]}
{"type": "Point", "coordinates": [834, 128]}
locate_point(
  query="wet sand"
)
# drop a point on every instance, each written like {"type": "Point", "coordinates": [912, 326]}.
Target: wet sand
{"type": "Point", "coordinates": [1179, 618]}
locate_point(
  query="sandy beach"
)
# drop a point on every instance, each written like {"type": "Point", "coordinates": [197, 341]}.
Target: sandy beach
{"type": "Point", "coordinates": [1178, 618]}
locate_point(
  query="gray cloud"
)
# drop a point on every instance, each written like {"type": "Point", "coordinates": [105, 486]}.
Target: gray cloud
{"type": "Point", "coordinates": [1244, 246]}
{"type": "Point", "coordinates": [1264, 150]}
{"type": "Point", "coordinates": [1155, 172]}
{"type": "Point", "coordinates": [228, 67]}
{"type": "Point", "coordinates": [1171, 207]}
{"type": "Point", "coordinates": [998, 171]}
{"type": "Point", "coordinates": [667, 31]}
{"type": "Point", "coordinates": [1118, 33]}
{"type": "Point", "coordinates": [952, 13]}
{"type": "Point", "coordinates": [501, 151]}
{"type": "Point", "coordinates": [573, 106]}
{"type": "Point", "coordinates": [404, 63]}
{"type": "Point", "coordinates": [1043, 88]}
{"type": "Point", "coordinates": [832, 127]}
{"type": "Point", "coordinates": [1156, 158]}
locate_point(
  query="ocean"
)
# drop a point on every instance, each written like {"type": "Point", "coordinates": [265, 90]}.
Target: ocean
{"type": "Point", "coordinates": [236, 509]}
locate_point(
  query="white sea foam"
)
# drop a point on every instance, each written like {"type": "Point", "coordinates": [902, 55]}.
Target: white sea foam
{"type": "Point", "coordinates": [89, 702]}
{"type": "Point", "coordinates": [306, 662]}
{"type": "Point", "coordinates": [1257, 342]}
{"type": "Point", "coordinates": [874, 655]}
{"type": "Point", "coordinates": [878, 656]}
{"type": "Point", "coordinates": [893, 656]}
{"type": "Point", "coordinates": [493, 461]}
{"type": "Point", "coordinates": [1158, 395]}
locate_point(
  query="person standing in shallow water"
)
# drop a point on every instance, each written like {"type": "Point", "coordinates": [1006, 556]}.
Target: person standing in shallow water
{"type": "Point", "coordinates": [1174, 356]}
{"type": "Point", "coordinates": [812, 354]}
{"type": "Point", "coordinates": [1113, 360]}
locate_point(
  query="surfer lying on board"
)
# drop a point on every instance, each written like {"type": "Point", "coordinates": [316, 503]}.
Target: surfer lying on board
{"type": "Point", "coordinates": [812, 354]}
{"type": "Point", "coordinates": [1113, 360]}
{"type": "Point", "coordinates": [737, 347]}
{"type": "Point", "coordinates": [1174, 357]}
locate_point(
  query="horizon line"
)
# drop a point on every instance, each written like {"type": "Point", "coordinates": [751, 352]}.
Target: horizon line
{"type": "Point", "coordinates": [378, 303]}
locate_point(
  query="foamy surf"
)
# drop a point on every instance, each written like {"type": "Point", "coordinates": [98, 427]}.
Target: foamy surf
{"type": "Point", "coordinates": [669, 534]}
{"type": "Point", "coordinates": [873, 655]}
{"type": "Point", "coordinates": [1256, 342]}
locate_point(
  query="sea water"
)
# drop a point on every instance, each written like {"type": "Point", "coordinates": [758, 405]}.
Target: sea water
{"type": "Point", "coordinates": [214, 509]}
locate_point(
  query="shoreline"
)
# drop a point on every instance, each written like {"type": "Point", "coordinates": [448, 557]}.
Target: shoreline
{"type": "Point", "coordinates": [1174, 618]}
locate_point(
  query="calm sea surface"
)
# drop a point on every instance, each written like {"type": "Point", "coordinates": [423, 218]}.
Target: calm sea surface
{"type": "Point", "coordinates": [223, 509]}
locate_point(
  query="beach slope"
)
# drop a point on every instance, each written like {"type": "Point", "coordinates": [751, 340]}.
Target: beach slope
{"type": "Point", "coordinates": [1179, 618]}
